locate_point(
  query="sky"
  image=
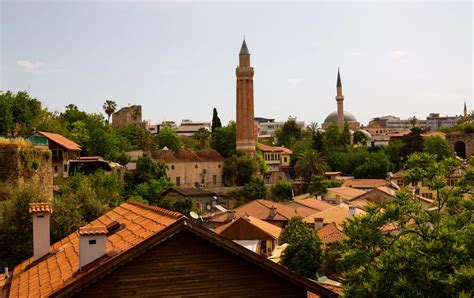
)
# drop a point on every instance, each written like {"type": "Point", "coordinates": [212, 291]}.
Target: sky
{"type": "Point", "coordinates": [177, 59]}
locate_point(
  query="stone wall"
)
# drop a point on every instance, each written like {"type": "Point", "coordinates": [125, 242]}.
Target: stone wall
{"type": "Point", "coordinates": [461, 143]}
{"type": "Point", "coordinates": [19, 164]}
{"type": "Point", "coordinates": [131, 115]}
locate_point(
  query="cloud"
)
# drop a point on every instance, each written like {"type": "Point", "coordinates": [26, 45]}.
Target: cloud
{"type": "Point", "coordinates": [29, 66]}
{"type": "Point", "coordinates": [294, 81]}
{"type": "Point", "coordinates": [398, 54]}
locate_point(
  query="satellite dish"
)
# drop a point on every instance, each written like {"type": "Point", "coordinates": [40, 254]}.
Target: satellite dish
{"type": "Point", "coordinates": [194, 215]}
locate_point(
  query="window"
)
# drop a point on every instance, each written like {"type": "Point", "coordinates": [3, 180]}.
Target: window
{"type": "Point", "coordinates": [65, 168]}
{"type": "Point", "coordinates": [196, 184]}
{"type": "Point", "coordinates": [172, 167]}
{"type": "Point", "coordinates": [285, 159]}
{"type": "Point", "coordinates": [219, 166]}
{"type": "Point", "coordinates": [195, 166]}
{"type": "Point", "coordinates": [92, 242]}
{"type": "Point", "coordinates": [55, 169]}
{"type": "Point", "coordinates": [178, 181]}
{"type": "Point", "coordinates": [214, 179]}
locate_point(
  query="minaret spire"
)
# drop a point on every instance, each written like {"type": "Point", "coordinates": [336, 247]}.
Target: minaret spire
{"type": "Point", "coordinates": [244, 50]}
{"type": "Point", "coordinates": [465, 112]}
{"type": "Point", "coordinates": [338, 84]}
{"type": "Point", "coordinates": [340, 101]}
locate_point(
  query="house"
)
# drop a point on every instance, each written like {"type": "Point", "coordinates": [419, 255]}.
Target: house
{"type": "Point", "coordinates": [203, 200]}
{"type": "Point", "coordinates": [309, 204]}
{"type": "Point", "coordinates": [250, 228]}
{"type": "Point", "coordinates": [190, 169]}
{"type": "Point", "coordinates": [337, 214]}
{"type": "Point", "coordinates": [90, 164]}
{"type": "Point", "coordinates": [364, 184]}
{"type": "Point", "coordinates": [140, 250]}
{"type": "Point", "coordinates": [336, 195]}
{"type": "Point", "coordinates": [330, 232]}
{"type": "Point", "coordinates": [189, 128]}
{"type": "Point", "coordinates": [63, 150]}
{"type": "Point", "coordinates": [276, 158]}
{"type": "Point", "coordinates": [272, 212]}
{"type": "Point", "coordinates": [379, 195]}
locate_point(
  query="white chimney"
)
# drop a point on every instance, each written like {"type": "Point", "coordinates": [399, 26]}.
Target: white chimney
{"type": "Point", "coordinates": [352, 212]}
{"type": "Point", "coordinates": [40, 213]}
{"type": "Point", "coordinates": [338, 199]}
{"type": "Point", "coordinates": [273, 211]}
{"type": "Point", "coordinates": [318, 223]}
{"type": "Point", "coordinates": [230, 215]}
{"type": "Point", "coordinates": [92, 243]}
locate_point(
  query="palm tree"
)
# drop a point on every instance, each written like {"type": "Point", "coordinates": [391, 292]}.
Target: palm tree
{"type": "Point", "coordinates": [202, 135]}
{"type": "Point", "coordinates": [310, 162]}
{"type": "Point", "coordinates": [109, 107]}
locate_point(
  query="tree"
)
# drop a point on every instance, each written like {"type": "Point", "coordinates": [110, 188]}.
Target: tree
{"type": "Point", "coordinates": [202, 135]}
{"type": "Point", "coordinates": [167, 137]}
{"type": "Point", "coordinates": [318, 141]}
{"type": "Point", "coordinates": [345, 137]}
{"type": "Point", "coordinates": [394, 151]}
{"type": "Point", "coordinates": [109, 108]}
{"type": "Point", "coordinates": [438, 146]}
{"type": "Point", "coordinates": [288, 134]}
{"type": "Point", "coordinates": [216, 122]}
{"type": "Point", "coordinates": [319, 185]}
{"type": "Point", "coordinates": [19, 113]}
{"type": "Point", "coordinates": [427, 256]}
{"type": "Point", "coordinates": [332, 140]}
{"type": "Point", "coordinates": [148, 169]}
{"type": "Point", "coordinates": [413, 142]}
{"type": "Point", "coordinates": [377, 165]}
{"type": "Point", "coordinates": [282, 190]}
{"type": "Point", "coordinates": [239, 168]}
{"type": "Point", "coordinates": [303, 253]}
{"type": "Point", "coordinates": [223, 140]}
{"type": "Point", "coordinates": [310, 162]}
{"type": "Point", "coordinates": [360, 138]}
{"type": "Point", "coordinates": [254, 190]}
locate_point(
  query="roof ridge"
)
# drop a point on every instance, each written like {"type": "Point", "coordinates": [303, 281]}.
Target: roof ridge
{"type": "Point", "coordinates": [162, 211]}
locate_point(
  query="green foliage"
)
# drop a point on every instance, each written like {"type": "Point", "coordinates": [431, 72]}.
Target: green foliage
{"type": "Point", "coordinates": [239, 168]}
{"type": "Point", "coordinates": [438, 146]}
{"type": "Point", "coordinates": [167, 137]}
{"type": "Point", "coordinates": [254, 190]}
{"type": "Point", "coordinates": [223, 140]}
{"type": "Point", "coordinates": [413, 142]}
{"type": "Point", "coordinates": [303, 253]}
{"type": "Point", "coordinates": [202, 135]}
{"type": "Point", "coordinates": [148, 169]}
{"type": "Point", "coordinates": [152, 189]}
{"type": "Point", "coordinates": [15, 222]}
{"type": "Point", "coordinates": [310, 162]}
{"type": "Point", "coordinates": [109, 108]}
{"type": "Point", "coordinates": [183, 205]}
{"type": "Point", "coordinates": [360, 138]}
{"type": "Point", "coordinates": [319, 185]}
{"type": "Point", "coordinates": [282, 190]}
{"type": "Point", "coordinates": [333, 139]}
{"type": "Point", "coordinates": [262, 165]}
{"type": "Point", "coordinates": [47, 154]}
{"type": "Point", "coordinates": [330, 263]}
{"type": "Point", "coordinates": [394, 151]}
{"type": "Point", "coordinates": [377, 165]}
{"type": "Point", "coordinates": [18, 112]}
{"type": "Point", "coordinates": [31, 159]}
{"type": "Point", "coordinates": [288, 134]}
{"type": "Point", "coordinates": [361, 163]}
{"type": "Point", "coordinates": [318, 141]}
{"type": "Point", "coordinates": [216, 121]}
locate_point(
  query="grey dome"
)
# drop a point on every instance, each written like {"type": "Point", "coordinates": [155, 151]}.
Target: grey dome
{"type": "Point", "coordinates": [348, 117]}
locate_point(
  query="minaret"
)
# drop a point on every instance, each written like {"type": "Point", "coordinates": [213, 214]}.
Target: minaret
{"type": "Point", "coordinates": [244, 103]}
{"type": "Point", "coordinates": [340, 101]}
{"type": "Point", "coordinates": [465, 112]}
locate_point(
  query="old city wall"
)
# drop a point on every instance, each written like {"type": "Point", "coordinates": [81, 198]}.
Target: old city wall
{"type": "Point", "coordinates": [19, 164]}
{"type": "Point", "coordinates": [458, 141]}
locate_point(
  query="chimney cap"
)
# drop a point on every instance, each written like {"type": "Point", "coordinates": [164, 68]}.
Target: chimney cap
{"type": "Point", "coordinates": [40, 208]}
{"type": "Point", "coordinates": [93, 230]}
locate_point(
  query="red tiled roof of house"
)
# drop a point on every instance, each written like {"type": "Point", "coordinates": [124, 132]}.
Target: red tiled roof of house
{"type": "Point", "coordinates": [61, 140]}
{"type": "Point", "coordinates": [314, 204]}
{"type": "Point", "coordinates": [92, 230]}
{"type": "Point", "coordinates": [266, 148]}
{"type": "Point", "coordinates": [347, 191]}
{"type": "Point", "coordinates": [330, 233]}
{"type": "Point", "coordinates": [337, 214]}
{"type": "Point", "coordinates": [60, 268]}
{"type": "Point", "coordinates": [261, 210]}
{"type": "Point", "coordinates": [264, 226]}
{"type": "Point", "coordinates": [364, 183]}
{"type": "Point", "coordinates": [40, 208]}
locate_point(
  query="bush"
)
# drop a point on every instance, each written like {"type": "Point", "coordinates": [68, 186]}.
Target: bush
{"type": "Point", "coordinates": [282, 190]}
{"type": "Point", "coordinates": [254, 190]}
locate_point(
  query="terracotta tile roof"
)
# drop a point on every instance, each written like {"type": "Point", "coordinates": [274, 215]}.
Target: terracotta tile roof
{"type": "Point", "coordinates": [337, 214]}
{"type": "Point", "coordinates": [364, 183]}
{"type": "Point", "coordinates": [60, 267]}
{"type": "Point", "coordinates": [387, 190]}
{"type": "Point", "coordinates": [60, 140]}
{"type": "Point", "coordinates": [315, 204]}
{"type": "Point", "coordinates": [94, 230]}
{"type": "Point", "coordinates": [266, 148]}
{"type": "Point", "coordinates": [261, 210]}
{"type": "Point", "coordinates": [330, 233]}
{"type": "Point", "coordinates": [347, 191]}
{"type": "Point", "coordinates": [187, 155]}
{"type": "Point", "coordinates": [264, 226]}
{"type": "Point", "coordinates": [40, 208]}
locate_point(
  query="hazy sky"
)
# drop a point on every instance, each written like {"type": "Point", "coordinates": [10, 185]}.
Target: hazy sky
{"type": "Point", "coordinates": [178, 59]}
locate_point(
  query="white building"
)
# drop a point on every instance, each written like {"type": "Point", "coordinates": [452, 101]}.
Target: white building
{"type": "Point", "coordinates": [267, 129]}
{"type": "Point", "coordinates": [189, 127]}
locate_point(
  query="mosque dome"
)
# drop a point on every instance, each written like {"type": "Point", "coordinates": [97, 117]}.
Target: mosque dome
{"type": "Point", "coordinates": [348, 117]}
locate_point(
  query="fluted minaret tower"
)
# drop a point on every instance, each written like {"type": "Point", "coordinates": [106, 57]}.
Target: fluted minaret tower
{"type": "Point", "coordinates": [340, 101]}
{"type": "Point", "coordinates": [244, 103]}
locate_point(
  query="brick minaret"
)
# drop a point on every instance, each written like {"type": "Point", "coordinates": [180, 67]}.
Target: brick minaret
{"type": "Point", "coordinates": [340, 102]}
{"type": "Point", "coordinates": [244, 103]}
